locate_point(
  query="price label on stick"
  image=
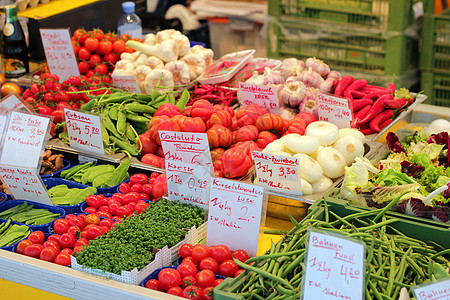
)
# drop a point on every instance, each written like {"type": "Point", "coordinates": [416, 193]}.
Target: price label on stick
{"type": "Point", "coordinates": [127, 82]}
{"type": "Point", "coordinates": [439, 290]}
{"type": "Point", "coordinates": [25, 183]}
{"type": "Point", "coordinates": [188, 147]}
{"type": "Point", "coordinates": [335, 110]}
{"type": "Point", "coordinates": [234, 214]}
{"type": "Point", "coordinates": [24, 140]}
{"type": "Point", "coordinates": [59, 53]}
{"type": "Point", "coordinates": [278, 173]}
{"type": "Point", "coordinates": [84, 131]}
{"type": "Point", "coordinates": [264, 96]}
{"type": "Point", "coordinates": [334, 267]}
{"type": "Point", "coordinates": [188, 183]}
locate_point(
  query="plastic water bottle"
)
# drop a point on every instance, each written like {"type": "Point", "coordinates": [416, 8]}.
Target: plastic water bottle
{"type": "Point", "coordinates": [129, 23]}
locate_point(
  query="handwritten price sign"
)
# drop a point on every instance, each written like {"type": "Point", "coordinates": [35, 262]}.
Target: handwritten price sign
{"type": "Point", "coordinates": [433, 290]}
{"type": "Point", "coordinates": [59, 53]}
{"type": "Point", "coordinates": [264, 96]}
{"type": "Point", "coordinates": [127, 82]}
{"type": "Point", "coordinates": [234, 214]}
{"type": "Point", "coordinates": [278, 173]}
{"type": "Point", "coordinates": [191, 148]}
{"type": "Point", "coordinates": [334, 267]}
{"type": "Point", "coordinates": [25, 135]}
{"type": "Point", "coordinates": [84, 131]}
{"type": "Point", "coordinates": [188, 183]}
{"type": "Point", "coordinates": [334, 110]}
{"type": "Point", "coordinates": [25, 183]}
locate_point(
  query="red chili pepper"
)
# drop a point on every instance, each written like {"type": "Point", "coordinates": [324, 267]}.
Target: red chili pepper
{"type": "Point", "coordinates": [355, 86]}
{"type": "Point", "coordinates": [396, 103]}
{"type": "Point", "coordinates": [343, 84]}
{"type": "Point", "coordinates": [361, 103]}
{"type": "Point", "coordinates": [367, 131]}
{"type": "Point", "coordinates": [358, 94]}
{"type": "Point", "coordinates": [377, 108]}
{"type": "Point", "coordinates": [360, 115]}
{"type": "Point", "coordinates": [385, 123]}
{"type": "Point", "coordinates": [380, 118]}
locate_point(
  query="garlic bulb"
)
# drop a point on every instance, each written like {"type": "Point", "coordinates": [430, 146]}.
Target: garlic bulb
{"type": "Point", "coordinates": [150, 39]}
{"type": "Point", "coordinates": [160, 80]}
{"type": "Point", "coordinates": [291, 67]}
{"type": "Point", "coordinates": [141, 73]}
{"type": "Point", "coordinates": [334, 75]}
{"type": "Point", "coordinates": [183, 44]}
{"type": "Point", "coordinates": [206, 53]}
{"type": "Point", "coordinates": [129, 56]}
{"type": "Point", "coordinates": [272, 77]}
{"type": "Point", "coordinates": [140, 60]}
{"type": "Point", "coordinates": [318, 66]}
{"type": "Point", "coordinates": [196, 64]}
{"type": "Point", "coordinates": [292, 93]}
{"type": "Point", "coordinates": [310, 78]}
{"type": "Point", "coordinates": [124, 66]}
{"type": "Point", "coordinates": [256, 79]}
{"type": "Point", "coordinates": [154, 63]}
{"type": "Point", "coordinates": [180, 72]}
{"type": "Point", "coordinates": [165, 35]}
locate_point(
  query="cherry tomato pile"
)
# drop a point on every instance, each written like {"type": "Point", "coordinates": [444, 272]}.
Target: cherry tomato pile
{"type": "Point", "coordinates": [97, 52]}
{"type": "Point", "coordinates": [148, 188]}
{"type": "Point", "coordinates": [117, 206]}
{"type": "Point", "coordinates": [195, 277]}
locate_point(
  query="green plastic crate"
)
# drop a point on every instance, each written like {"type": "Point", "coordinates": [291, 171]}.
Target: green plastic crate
{"type": "Point", "coordinates": [417, 230]}
{"type": "Point", "coordinates": [435, 54]}
{"type": "Point", "coordinates": [436, 85]}
{"type": "Point", "coordinates": [392, 15]}
{"type": "Point", "coordinates": [385, 53]}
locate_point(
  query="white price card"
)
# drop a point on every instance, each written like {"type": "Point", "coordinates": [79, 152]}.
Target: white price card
{"type": "Point", "coordinates": [127, 82]}
{"type": "Point", "coordinates": [25, 183]}
{"type": "Point", "coordinates": [439, 290]}
{"type": "Point", "coordinates": [335, 110]}
{"type": "Point", "coordinates": [264, 96]}
{"type": "Point", "coordinates": [24, 140]}
{"type": "Point", "coordinates": [334, 267]}
{"type": "Point", "coordinates": [278, 173]}
{"type": "Point", "coordinates": [59, 53]}
{"type": "Point", "coordinates": [84, 131]}
{"type": "Point", "coordinates": [234, 216]}
{"type": "Point", "coordinates": [188, 183]}
{"type": "Point", "coordinates": [188, 147]}
{"type": "Point", "coordinates": [12, 103]}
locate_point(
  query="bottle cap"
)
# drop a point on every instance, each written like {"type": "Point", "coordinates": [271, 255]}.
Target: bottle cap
{"type": "Point", "coordinates": [128, 7]}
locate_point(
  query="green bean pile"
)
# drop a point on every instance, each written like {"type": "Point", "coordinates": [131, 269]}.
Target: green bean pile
{"type": "Point", "coordinates": [394, 260]}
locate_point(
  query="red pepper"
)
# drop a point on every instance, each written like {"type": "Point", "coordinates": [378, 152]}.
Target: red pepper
{"type": "Point", "coordinates": [360, 115]}
{"type": "Point", "coordinates": [377, 108]}
{"type": "Point", "coordinates": [343, 84]}
{"type": "Point", "coordinates": [380, 118]}
{"type": "Point", "coordinates": [386, 123]}
{"type": "Point", "coordinates": [396, 103]}
{"type": "Point", "coordinates": [355, 86]}
{"type": "Point", "coordinates": [360, 104]}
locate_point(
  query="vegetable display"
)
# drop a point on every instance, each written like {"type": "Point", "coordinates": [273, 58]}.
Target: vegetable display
{"type": "Point", "coordinates": [393, 259]}
{"type": "Point", "coordinates": [130, 245]}
{"type": "Point", "coordinates": [27, 214]}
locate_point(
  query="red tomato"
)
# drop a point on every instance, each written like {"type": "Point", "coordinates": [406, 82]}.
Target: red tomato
{"type": "Point", "coordinates": [67, 251]}
{"type": "Point", "coordinates": [22, 245]}
{"type": "Point", "coordinates": [240, 255]}
{"type": "Point", "coordinates": [192, 292]}
{"type": "Point", "coordinates": [138, 178]}
{"type": "Point", "coordinates": [238, 272]}
{"type": "Point", "coordinates": [61, 226]}
{"type": "Point", "coordinates": [200, 252]}
{"type": "Point", "coordinates": [81, 242]}
{"type": "Point", "coordinates": [187, 269]}
{"type": "Point", "coordinates": [84, 53]}
{"type": "Point", "coordinates": [90, 210]}
{"type": "Point", "coordinates": [205, 278]}
{"type": "Point", "coordinates": [168, 278]}
{"type": "Point", "coordinates": [123, 211]}
{"type": "Point", "coordinates": [62, 259]}
{"type": "Point", "coordinates": [37, 237]}
{"type": "Point", "coordinates": [217, 282]}
{"type": "Point", "coordinates": [209, 263]}
{"type": "Point", "coordinates": [208, 293]}
{"type": "Point", "coordinates": [93, 232]}
{"type": "Point", "coordinates": [54, 237]}
{"type": "Point", "coordinates": [188, 280]}
{"type": "Point", "coordinates": [124, 188]}
{"type": "Point", "coordinates": [176, 290]}
{"type": "Point", "coordinates": [228, 268]}
{"type": "Point", "coordinates": [137, 187]}
{"type": "Point", "coordinates": [106, 222]}
{"type": "Point", "coordinates": [52, 243]}
{"type": "Point", "coordinates": [66, 240]}
{"type": "Point", "coordinates": [221, 253]}
{"type": "Point", "coordinates": [33, 250]}
{"type": "Point", "coordinates": [48, 254]}
{"type": "Point", "coordinates": [130, 197]}
{"type": "Point", "coordinates": [152, 284]}
{"type": "Point", "coordinates": [74, 230]}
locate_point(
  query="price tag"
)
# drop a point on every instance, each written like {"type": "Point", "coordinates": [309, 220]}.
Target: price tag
{"type": "Point", "coordinates": [334, 267]}
{"type": "Point", "coordinates": [433, 290]}
{"type": "Point", "coordinates": [188, 147]}
{"type": "Point", "coordinates": [11, 103]}
{"type": "Point", "coordinates": [59, 53]}
{"type": "Point", "coordinates": [84, 131]}
{"type": "Point", "coordinates": [25, 183]}
{"type": "Point", "coordinates": [188, 183]}
{"type": "Point", "coordinates": [24, 140]}
{"type": "Point", "coordinates": [127, 82]}
{"type": "Point", "coordinates": [335, 110]}
{"type": "Point", "coordinates": [264, 96]}
{"type": "Point", "coordinates": [234, 214]}
{"type": "Point", "coordinates": [278, 173]}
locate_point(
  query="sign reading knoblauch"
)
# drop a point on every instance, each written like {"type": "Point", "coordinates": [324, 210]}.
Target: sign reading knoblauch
{"type": "Point", "coordinates": [187, 147]}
